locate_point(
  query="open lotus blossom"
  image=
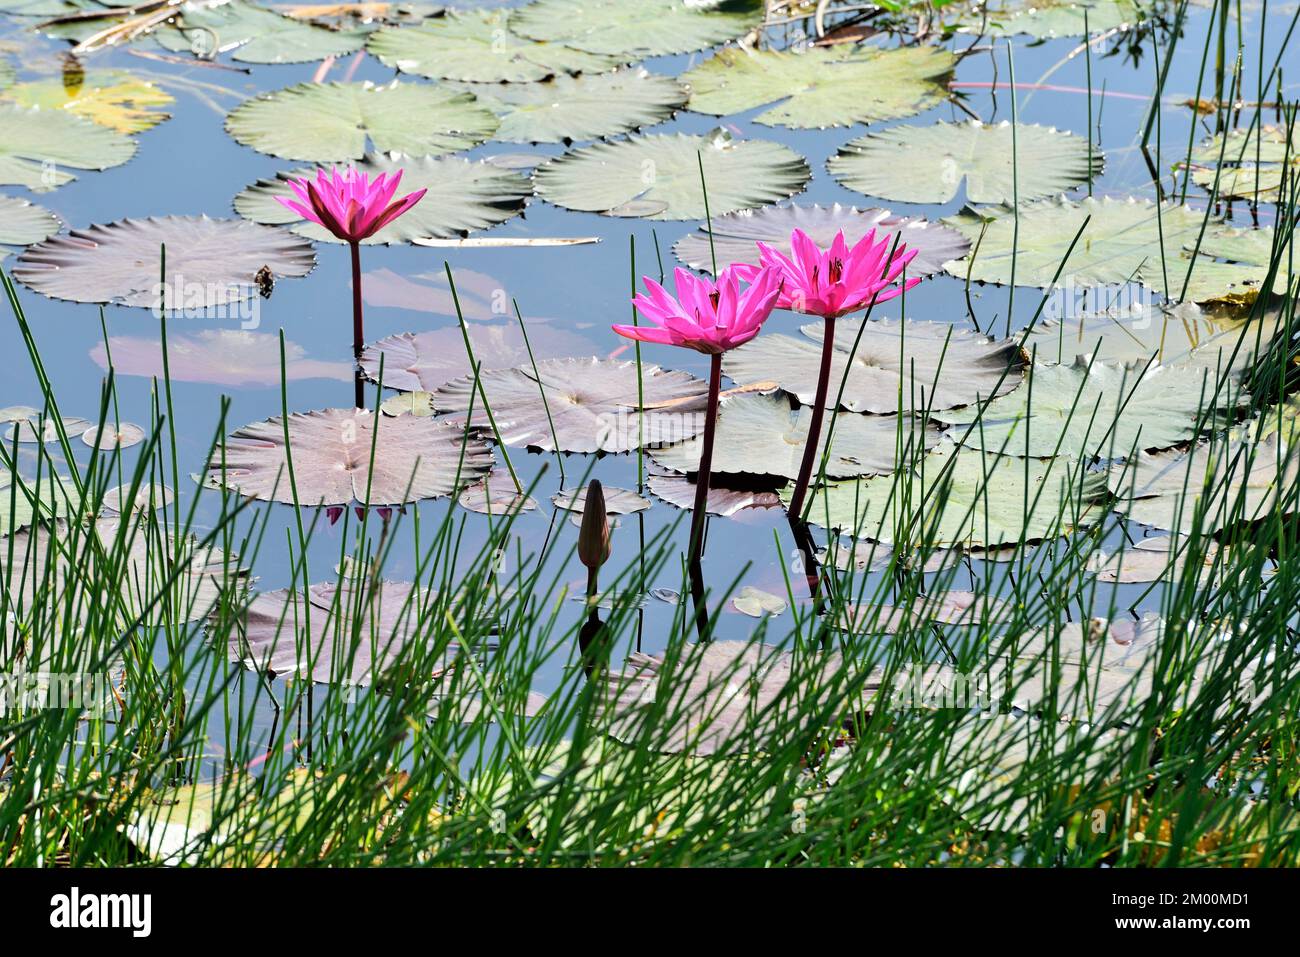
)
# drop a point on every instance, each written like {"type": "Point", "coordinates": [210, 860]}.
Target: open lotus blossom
{"type": "Point", "coordinates": [706, 316]}
{"type": "Point", "coordinates": [711, 318]}
{"type": "Point", "coordinates": [353, 207]}
{"type": "Point", "coordinates": [830, 283]}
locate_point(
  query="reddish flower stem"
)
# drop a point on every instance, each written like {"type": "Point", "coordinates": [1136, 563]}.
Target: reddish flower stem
{"type": "Point", "coordinates": [358, 332]}
{"type": "Point", "coordinates": [814, 427]}
{"type": "Point", "coordinates": [701, 509]}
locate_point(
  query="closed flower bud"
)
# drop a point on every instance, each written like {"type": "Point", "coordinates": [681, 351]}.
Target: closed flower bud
{"type": "Point", "coordinates": [593, 538]}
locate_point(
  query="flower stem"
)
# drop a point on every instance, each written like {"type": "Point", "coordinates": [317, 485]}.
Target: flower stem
{"type": "Point", "coordinates": [814, 427]}
{"type": "Point", "coordinates": [701, 510]}
{"type": "Point", "coordinates": [358, 331]}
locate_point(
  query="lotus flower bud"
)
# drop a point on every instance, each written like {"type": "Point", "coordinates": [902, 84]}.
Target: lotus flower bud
{"type": "Point", "coordinates": [593, 537]}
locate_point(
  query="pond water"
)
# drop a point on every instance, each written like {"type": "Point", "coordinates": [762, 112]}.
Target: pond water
{"type": "Point", "coordinates": [570, 294]}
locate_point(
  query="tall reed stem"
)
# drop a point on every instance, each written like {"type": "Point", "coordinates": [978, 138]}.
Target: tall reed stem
{"type": "Point", "coordinates": [700, 513]}
{"type": "Point", "coordinates": [358, 330]}
{"type": "Point", "coordinates": [815, 427]}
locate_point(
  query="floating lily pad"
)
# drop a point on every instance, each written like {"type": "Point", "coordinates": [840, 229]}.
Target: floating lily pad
{"type": "Point", "coordinates": [210, 262]}
{"type": "Point", "coordinates": [763, 435]}
{"type": "Point", "coordinates": [23, 223]}
{"type": "Point", "coordinates": [333, 122]}
{"type": "Point", "coordinates": [1210, 485]}
{"type": "Point", "coordinates": [928, 164]}
{"type": "Point", "coordinates": [1151, 559]}
{"type": "Point", "coordinates": [1254, 162]}
{"type": "Point", "coordinates": [1045, 19]}
{"type": "Point", "coordinates": [898, 366]}
{"type": "Point", "coordinates": [33, 429]}
{"type": "Point", "coordinates": [254, 34]}
{"type": "Point", "coordinates": [414, 459]}
{"type": "Point", "coordinates": [822, 86]}
{"type": "Point", "coordinates": [479, 46]}
{"type": "Point", "coordinates": [585, 107]}
{"type": "Point", "coordinates": [1084, 409]}
{"type": "Point", "coordinates": [424, 361]}
{"type": "Point", "coordinates": [618, 501]}
{"type": "Point", "coordinates": [1120, 244]}
{"type": "Point", "coordinates": [38, 147]}
{"type": "Point", "coordinates": [592, 403]}
{"type": "Point", "coordinates": [636, 30]}
{"type": "Point", "coordinates": [409, 403]}
{"type": "Point", "coordinates": [961, 608]}
{"type": "Point", "coordinates": [229, 357]}
{"type": "Point", "coordinates": [112, 98]}
{"type": "Point", "coordinates": [496, 494]}
{"type": "Point", "coordinates": [735, 234]}
{"type": "Point", "coordinates": [756, 603]}
{"type": "Point", "coordinates": [463, 196]}
{"type": "Point", "coordinates": [111, 437]}
{"type": "Point", "coordinates": [980, 499]}
{"type": "Point", "coordinates": [658, 176]}
{"type": "Point", "coordinates": [725, 497]}
{"type": "Point", "coordinates": [23, 503]}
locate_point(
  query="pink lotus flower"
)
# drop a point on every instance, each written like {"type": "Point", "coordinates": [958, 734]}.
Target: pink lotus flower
{"type": "Point", "coordinates": [350, 204]}
{"type": "Point", "coordinates": [706, 316]}
{"type": "Point", "coordinates": [353, 207]}
{"type": "Point", "coordinates": [839, 280]}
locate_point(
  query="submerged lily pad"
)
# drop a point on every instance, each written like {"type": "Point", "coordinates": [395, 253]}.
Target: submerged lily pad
{"type": "Point", "coordinates": [735, 234]}
{"type": "Point", "coordinates": [38, 147]}
{"type": "Point", "coordinates": [725, 497]}
{"type": "Point", "coordinates": [254, 35]}
{"type": "Point", "coordinates": [928, 164]}
{"type": "Point", "coordinates": [463, 196]}
{"type": "Point", "coordinates": [424, 361]}
{"type": "Point", "coordinates": [822, 86]}
{"type": "Point", "coordinates": [658, 176]}
{"type": "Point", "coordinates": [414, 459]}
{"type": "Point", "coordinates": [964, 497]}
{"type": "Point", "coordinates": [1210, 485]}
{"type": "Point", "coordinates": [332, 122]}
{"type": "Point", "coordinates": [585, 107]}
{"type": "Point", "coordinates": [112, 98]}
{"type": "Point", "coordinates": [636, 30]}
{"type": "Point", "coordinates": [898, 366]}
{"type": "Point", "coordinates": [23, 223]}
{"type": "Point", "coordinates": [210, 262]}
{"type": "Point", "coordinates": [1097, 408]}
{"type": "Point", "coordinates": [230, 357]}
{"type": "Point", "coordinates": [763, 435]}
{"type": "Point", "coordinates": [592, 404]}
{"type": "Point", "coordinates": [479, 46]}
{"type": "Point", "coordinates": [1045, 19]}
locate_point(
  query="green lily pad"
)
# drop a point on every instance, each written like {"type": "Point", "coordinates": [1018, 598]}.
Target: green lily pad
{"type": "Point", "coordinates": [38, 147]}
{"type": "Point", "coordinates": [414, 458]}
{"type": "Point", "coordinates": [333, 122]}
{"type": "Point", "coordinates": [762, 435]}
{"type": "Point", "coordinates": [112, 98]}
{"type": "Point", "coordinates": [735, 234]}
{"type": "Point", "coordinates": [1255, 162]}
{"type": "Point", "coordinates": [756, 603]}
{"type": "Point", "coordinates": [964, 497]}
{"type": "Point", "coordinates": [463, 196]}
{"type": "Point", "coordinates": [658, 176]}
{"type": "Point", "coordinates": [1100, 409]}
{"type": "Point", "coordinates": [928, 164]}
{"type": "Point", "coordinates": [1046, 19]}
{"type": "Point", "coordinates": [27, 502]}
{"type": "Point", "coordinates": [254, 34]}
{"type": "Point", "coordinates": [585, 107]}
{"type": "Point", "coordinates": [899, 365]}
{"type": "Point", "coordinates": [636, 30]}
{"type": "Point", "coordinates": [23, 223]}
{"type": "Point", "coordinates": [824, 86]}
{"type": "Point", "coordinates": [479, 46]}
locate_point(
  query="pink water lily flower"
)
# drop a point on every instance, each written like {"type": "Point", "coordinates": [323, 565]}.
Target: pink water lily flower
{"type": "Point", "coordinates": [350, 204]}
{"type": "Point", "coordinates": [838, 280]}
{"type": "Point", "coordinates": [705, 316]}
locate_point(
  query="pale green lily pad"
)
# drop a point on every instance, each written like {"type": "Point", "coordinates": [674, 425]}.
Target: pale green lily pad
{"type": "Point", "coordinates": [762, 435]}
{"type": "Point", "coordinates": [735, 235]}
{"type": "Point", "coordinates": [409, 403]}
{"type": "Point", "coordinates": [497, 494]}
{"type": "Point", "coordinates": [756, 603]}
{"type": "Point", "coordinates": [479, 46]}
{"type": "Point", "coordinates": [254, 35]}
{"type": "Point", "coordinates": [23, 223]}
{"type": "Point", "coordinates": [636, 30]}
{"type": "Point", "coordinates": [333, 122]}
{"type": "Point", "coordinates": [585, 107]}
{"type": "Point", "coordinates": [899, 365]}
{"type": "Point", "coordinates": [1120, 244]}
{"type": "Point", "coordinates": [929, 164]}
{"type": "Point", "coordinates": [1254, 162]}
{"type": "Point", "coordinates": [38, 148]}
{"type": "Point", "coordinates": [1209, 485]}
{"type": "Point", "coordinates": [618, 501]}
{"type": "Point", "coordinates": [1046, 19]}
{"type": "Point", "coordinates": [980, 499]}
{"type": "Point", "coordinates": [23, 503]}
{"type": "Point", "coordinates": [823, 86]}
{"type": "Point", "coordinates": [658, 176]}
{"type": "Point", "coordinates": [463, 196]}
{"type": "Point", "coordinates": [1095, 409]}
